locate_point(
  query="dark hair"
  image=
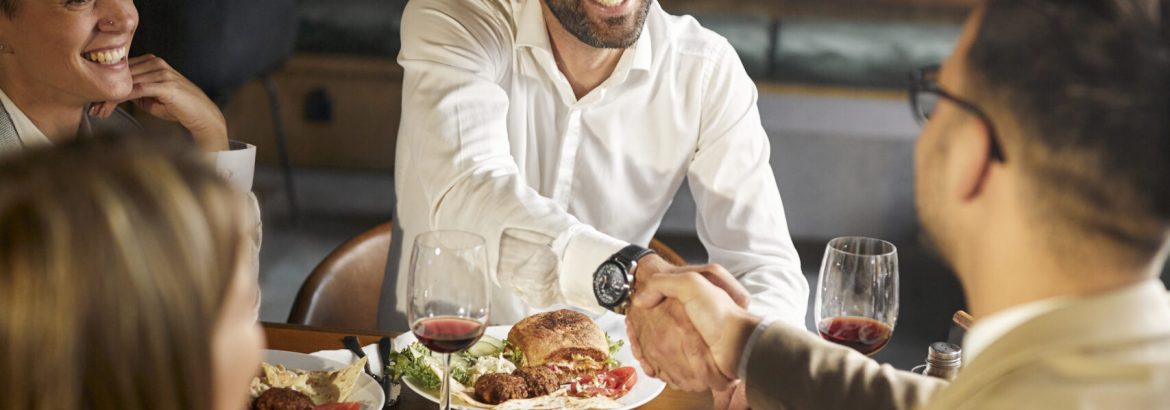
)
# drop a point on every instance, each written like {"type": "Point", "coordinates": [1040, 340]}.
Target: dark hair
{"type": "Point", "coordinates": [1087, 85]}
{"type": "Point", "coordinates": [8, 7]}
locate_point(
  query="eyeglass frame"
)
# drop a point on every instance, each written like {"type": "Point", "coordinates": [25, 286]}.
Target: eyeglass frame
{"type": "Point", "coordinates": [920, 84]}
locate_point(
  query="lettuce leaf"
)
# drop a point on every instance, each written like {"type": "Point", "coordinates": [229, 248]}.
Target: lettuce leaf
{"type": "Point", "coordinates": [513, 354]}
{"type": "Point", "coordinates": [614, 345]}
{"type": "Point", "coordinates": [420, 366]}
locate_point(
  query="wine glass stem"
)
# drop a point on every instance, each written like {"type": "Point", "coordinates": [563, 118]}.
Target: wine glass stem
{"type": "Point", "coordinates": [445, 393]}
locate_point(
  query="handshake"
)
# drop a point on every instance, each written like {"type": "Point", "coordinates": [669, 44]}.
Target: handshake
{"type": "Point", "coordinates": [689, 325]}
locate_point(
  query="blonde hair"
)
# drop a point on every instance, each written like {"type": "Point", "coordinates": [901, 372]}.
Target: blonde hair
{"type": "Point", "coordinates": [115, 258]}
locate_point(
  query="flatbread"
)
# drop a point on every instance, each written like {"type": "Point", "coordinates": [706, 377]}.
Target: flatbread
{"type": "Point", "coordinates": [278, 376]}
{"type": "Point", "coordinates": [559, 399]}
{"type": "Point", "coordinates": [321, 386]}
{"type": "Point", "coordinates": [335, 386]}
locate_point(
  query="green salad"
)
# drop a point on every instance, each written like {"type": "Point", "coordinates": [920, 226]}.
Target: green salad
{"type": "Point", "coordinates": [488, 355]}
{"type": "Point", "coordinates": [423, 367]}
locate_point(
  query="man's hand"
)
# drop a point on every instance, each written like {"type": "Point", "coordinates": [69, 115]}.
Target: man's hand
{"type": "Point", "coordinates": [731, 399]}
{"type": "Point", "coordinates": [723, 325]}
{"type": "Point", "coordinates": [671, 349]}
{"type": "Point", "coordinates": [662, 336]}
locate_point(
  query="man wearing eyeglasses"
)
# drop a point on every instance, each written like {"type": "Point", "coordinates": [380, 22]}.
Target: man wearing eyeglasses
{"type": "Point", "coordinates": [1043, 178]}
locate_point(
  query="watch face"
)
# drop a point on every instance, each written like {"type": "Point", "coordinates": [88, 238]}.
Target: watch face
{"type": "Point", "coordinates": [609, 284]}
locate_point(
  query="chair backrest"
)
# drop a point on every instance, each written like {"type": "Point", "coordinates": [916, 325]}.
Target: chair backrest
{"type": "Point", "coordinates": [218, 44]}
{"type": "Point", "coordinates": [667, 253]}
{"type": "Point", "coordinates": [343, 290]}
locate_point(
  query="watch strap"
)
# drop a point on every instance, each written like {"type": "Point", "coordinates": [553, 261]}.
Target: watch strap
{"type": "Point", "coordinates": [631, 253]}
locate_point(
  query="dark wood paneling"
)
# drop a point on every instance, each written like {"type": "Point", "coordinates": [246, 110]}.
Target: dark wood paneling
{"type": "Point", "coordinates": [911, 10]}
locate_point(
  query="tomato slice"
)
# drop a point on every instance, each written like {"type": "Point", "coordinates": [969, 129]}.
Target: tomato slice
{"type": "Point", "coordinates": [624, 378]}
{"type": "Point", "coordinates": [594, 391]}
{"type": "Point", "coordinates": [339, 406]}
{"type": "Point", "coordinates": [613, 384]}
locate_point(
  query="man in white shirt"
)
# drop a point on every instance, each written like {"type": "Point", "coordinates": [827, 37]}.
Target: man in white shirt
{"type": "Point", "coordinates": [1042, 178]}
{"type": "Point", "coordinates": [569, 125]}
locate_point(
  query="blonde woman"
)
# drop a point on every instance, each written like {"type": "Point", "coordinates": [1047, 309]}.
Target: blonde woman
{"type": "Point", "coordinates": [123, 280]}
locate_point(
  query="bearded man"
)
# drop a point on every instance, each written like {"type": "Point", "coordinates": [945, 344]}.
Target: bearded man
{"type": "Point", "coordinates": [560, 131]}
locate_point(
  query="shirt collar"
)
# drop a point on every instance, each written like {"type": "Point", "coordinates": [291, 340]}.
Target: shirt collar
{"type": "Point", "coordinates": [30, 136]}
{"type": "Point", "coordinates": [991, 328]}
{"type": "Point", "coordinates": [643, 50]}
{"type": "Point", "coordinates": [531, 30]}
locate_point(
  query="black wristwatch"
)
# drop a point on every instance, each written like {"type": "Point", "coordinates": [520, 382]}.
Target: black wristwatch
{"type": "Point", "coordinates": [613, 282]}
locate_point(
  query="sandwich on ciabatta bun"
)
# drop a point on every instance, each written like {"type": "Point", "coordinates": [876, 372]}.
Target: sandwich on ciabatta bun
{"type": "Point", "coordinates": [565, 341]}
{"type": "Point", "coordinates": [563, 361]}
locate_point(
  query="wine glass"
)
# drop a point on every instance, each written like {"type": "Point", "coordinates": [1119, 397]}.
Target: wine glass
{"type": "Point", "coordinates": [449, 295]}
{"type": "Point", "coordinates": [857, 293]}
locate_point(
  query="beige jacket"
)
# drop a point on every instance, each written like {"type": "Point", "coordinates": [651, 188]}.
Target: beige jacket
{"type": "Point", "coordinates": [1104, 352]}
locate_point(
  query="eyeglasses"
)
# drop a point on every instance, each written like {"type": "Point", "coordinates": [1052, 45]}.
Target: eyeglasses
{"type": "Point", "coordinates": [925, 94]}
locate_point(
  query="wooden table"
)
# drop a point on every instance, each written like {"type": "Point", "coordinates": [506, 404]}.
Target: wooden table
{"type": "Point", "coordinates": [304, 339]}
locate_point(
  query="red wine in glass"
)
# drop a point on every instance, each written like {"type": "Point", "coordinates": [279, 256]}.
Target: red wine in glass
{"type": "Point", "coordinates": [446, 334]}
{"type": "Point", "coordinates": [867, 336]}
{"type": "Point", "coordinates": [449, 295]}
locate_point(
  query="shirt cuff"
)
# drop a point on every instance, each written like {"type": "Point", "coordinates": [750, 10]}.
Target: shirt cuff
{"type": "Point", "coordinates": [237, 165]}
{"type": "Point", "coordinates": [582, 250]}
{"type": "Point", "coordinates": [528, 265]}
{"type": "Point", "coordinates": [751, 342]}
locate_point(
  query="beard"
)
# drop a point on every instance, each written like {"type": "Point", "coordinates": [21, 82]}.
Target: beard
{"type": "Point", "coordinates": [609, 32]}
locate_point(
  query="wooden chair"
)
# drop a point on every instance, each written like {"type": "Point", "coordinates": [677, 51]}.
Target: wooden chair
{"type": "Point", "coordinates": [666, 253]}
{"type": "Point", "coordinates": [343, 290]}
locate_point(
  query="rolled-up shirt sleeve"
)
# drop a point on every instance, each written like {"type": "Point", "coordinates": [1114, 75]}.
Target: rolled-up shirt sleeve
{"type": "Point", "coordinates": [547, 271]}
{"type": "Point", "coordinates": [455, 171]}
{"type": "Point", "coordinates": [740, 217]}
{"type": "Point", "coordinates": [238, 165]}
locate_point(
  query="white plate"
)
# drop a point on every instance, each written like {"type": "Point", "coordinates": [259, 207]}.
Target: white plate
{"type": "Point", "coordinates": [367, 392]}
{"type": "Point", "coordinates": [644, 390]}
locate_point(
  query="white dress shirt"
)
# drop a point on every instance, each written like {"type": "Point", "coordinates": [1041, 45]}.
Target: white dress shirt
{"type": "Point", "coordinates": [987, 330]}
{"type": "Point", "coordinates": [493, 139]}
{"type": "Point", "coordinates": [30, 136]}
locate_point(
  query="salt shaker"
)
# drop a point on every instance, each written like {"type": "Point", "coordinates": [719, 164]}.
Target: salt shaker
{"type": "Point", "coordinates": [943, 361]}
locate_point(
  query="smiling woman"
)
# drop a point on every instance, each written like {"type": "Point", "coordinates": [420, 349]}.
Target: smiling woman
{"type": "Point", "coordinates": [59, 57]}
{"type": "Point", "coordinates": [64, 68]}
{"type": "Point", "coordinates": [47, 67]}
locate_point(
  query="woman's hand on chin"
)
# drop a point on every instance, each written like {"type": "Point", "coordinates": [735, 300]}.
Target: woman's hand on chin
{"type": "Point", "coordinates": [164, 93]}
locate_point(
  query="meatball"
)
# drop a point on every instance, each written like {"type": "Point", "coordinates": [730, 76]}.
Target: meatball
{"type": "Point", "coordinates": [496, 388]}
{"type": "Point", "coordinates": [282, 399]}
{"type": "Point", "coordinates": [539, 379]}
